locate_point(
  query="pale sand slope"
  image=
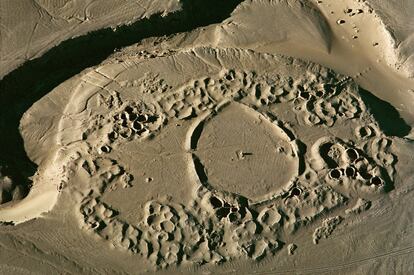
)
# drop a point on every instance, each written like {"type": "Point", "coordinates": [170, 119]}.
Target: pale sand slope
{"type": "Point", "coordinates": [222, 157]}
{"type": "Point", "coordinates": [208, 156]}
{"type": "Point", "coordinates": [397, 17]}
{"type": "Point", "coordinates": [29, 28]}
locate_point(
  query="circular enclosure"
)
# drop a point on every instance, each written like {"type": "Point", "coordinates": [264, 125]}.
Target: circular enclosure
{"type": "Point", "coordinates": [241, 151]}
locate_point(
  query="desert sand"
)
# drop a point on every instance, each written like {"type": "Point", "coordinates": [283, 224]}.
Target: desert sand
{"type": "Point", "coordinates": [183, 137]}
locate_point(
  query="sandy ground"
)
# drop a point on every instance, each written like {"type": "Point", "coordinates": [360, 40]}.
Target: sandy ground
{"type": "Point", "coordinates": [29, 28]}
{"type": "Point", "coordinates": [272, 137]}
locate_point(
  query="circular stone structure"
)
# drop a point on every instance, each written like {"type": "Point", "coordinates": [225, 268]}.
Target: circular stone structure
{"type": "Point", "coordinates": [239, 150]}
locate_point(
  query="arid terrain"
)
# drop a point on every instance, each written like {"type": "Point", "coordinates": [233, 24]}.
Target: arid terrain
{"type": "Point", "coordinates": [187, 137]}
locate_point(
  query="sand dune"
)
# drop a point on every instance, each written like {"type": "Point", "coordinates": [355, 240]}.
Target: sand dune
{"type": "Point", "coordinates": [276, 141]}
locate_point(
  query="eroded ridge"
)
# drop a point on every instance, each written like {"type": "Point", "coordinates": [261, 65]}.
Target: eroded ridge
{"type": "Point", "coordinates": [303, 177]}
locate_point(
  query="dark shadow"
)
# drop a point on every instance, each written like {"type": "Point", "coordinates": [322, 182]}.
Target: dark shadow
{"type": "Point", "coordinates": [386, 115]}
{"type": "Point", "coordinates": [201, 172]}
{"type": "Point", "coordinates": [324, 152]}
{"type": "Point", "coordinates": [302, 149]}
{"type": "Point", "coordinates": [34, 79]}
{"type": "Point", "coordinates": [196, 135]}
